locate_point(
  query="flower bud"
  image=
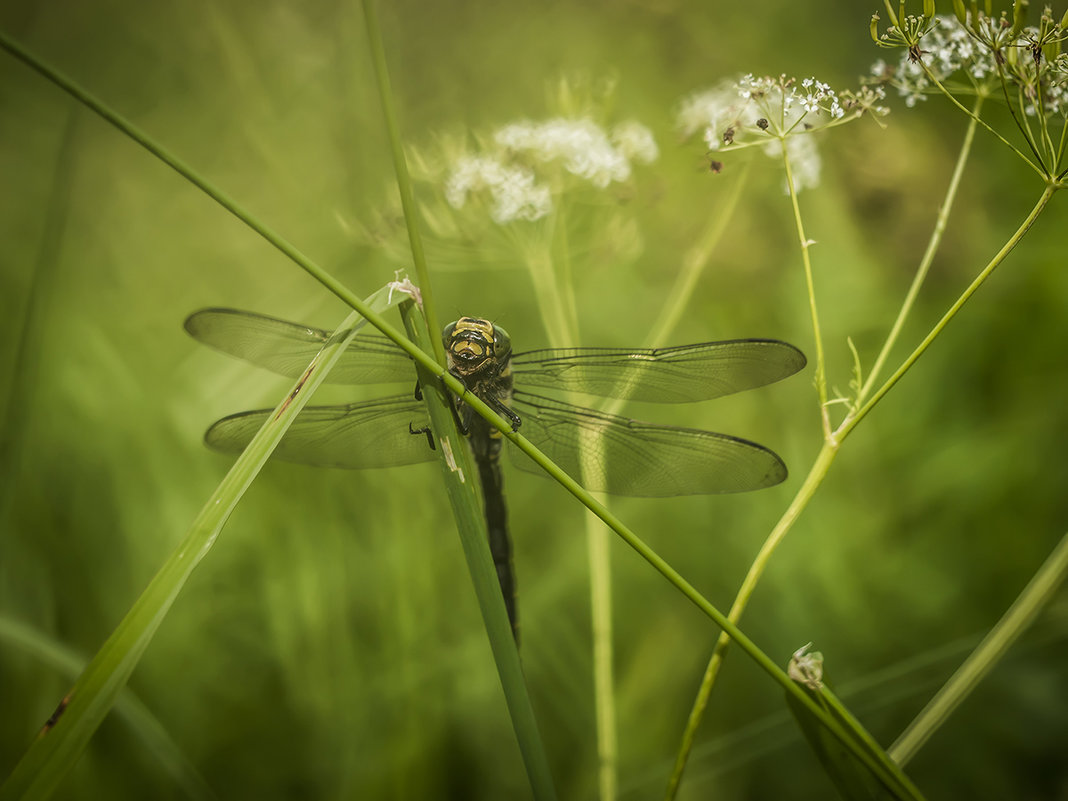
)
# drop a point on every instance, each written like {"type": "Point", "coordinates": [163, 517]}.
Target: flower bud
{"type": "Point", "coordinates": [961, 12]}
{"type": "Point", "coordinates": [1019, 16]}
{"type": "Point", "coordinates": [891, 15]}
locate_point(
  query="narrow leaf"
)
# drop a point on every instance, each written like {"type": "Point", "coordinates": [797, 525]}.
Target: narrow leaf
{"type": "Point", "coordinates": [82, 710]}
{"type": "Point", "coordinates": [854, 780]}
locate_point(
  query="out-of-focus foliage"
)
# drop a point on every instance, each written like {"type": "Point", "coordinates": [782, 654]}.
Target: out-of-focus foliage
{"type": "Point", "coordinates": [331, 646]}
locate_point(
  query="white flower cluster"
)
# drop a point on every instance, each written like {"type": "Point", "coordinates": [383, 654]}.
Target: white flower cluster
{"type": "Point", "coordinates": [582, 147]}
{"type": "Point", "coordinates": [757, 107]}
{"type": "Point", "coordinates": [1055, 94]}
{"type": "Point", "coordinates": [947, 49]}
{"type": "Point", "coordinates": [766, 110]}
{"type": "Point", "coordinates": [514, 190]}
{"type": "Point", "coordinates": [716, 110]}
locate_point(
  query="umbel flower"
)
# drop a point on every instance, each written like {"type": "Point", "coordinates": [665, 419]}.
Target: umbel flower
{"type": "Point", "coordinates": [975, 53]}
{"type": "Point", "coordinates": [521, 170]}
{"type": "Point", "coordinates": [774, 113]}
{"type": "Point", "coordinates": [948, 52]}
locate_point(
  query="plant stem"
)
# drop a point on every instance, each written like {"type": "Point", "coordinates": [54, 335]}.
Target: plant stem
{"type": "Point", "coordinates": [928, 255]}
{"type": "Point", "coordinates": [852, 419]}
{"type": "Point", "coordinates": [821, 371]}
{"type": "Point", "coordinates": [458, 473]}
{"type": "Point", "coordinates": [804, 494]}
{"type": "Point", "coordinates": [404, 181]}
{"type": "Point", "coordinates": [231, 205]}
{"type": "Point", "coordinates": [598, 548]}
{"type": "Point", "coordinates": [949, 96]}
{"type": "Point", "coordinates": [1020, 615]}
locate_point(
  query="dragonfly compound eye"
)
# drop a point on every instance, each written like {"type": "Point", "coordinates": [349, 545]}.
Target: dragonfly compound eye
{"type": "Point", "coordinates": [469, 351]}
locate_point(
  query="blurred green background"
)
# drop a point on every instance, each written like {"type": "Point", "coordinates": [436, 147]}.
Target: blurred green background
{"type": "Point", "coordinates": [330, 646]}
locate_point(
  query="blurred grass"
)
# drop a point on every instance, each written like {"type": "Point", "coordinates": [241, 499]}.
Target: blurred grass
{"type": "Point", "coordinates": [303, 661]}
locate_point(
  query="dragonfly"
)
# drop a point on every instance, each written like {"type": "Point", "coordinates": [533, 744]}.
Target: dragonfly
{"type": "Point", "coordinates": [604, 452]}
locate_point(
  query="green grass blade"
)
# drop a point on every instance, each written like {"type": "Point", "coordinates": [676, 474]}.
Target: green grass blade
{"type": "Point", "coordinates": [148, 730]}
{"type": "Point", "coordinates": [861, 770]}
{"type": "Point", "coordinates": [1038, 592]}
{"type": "Point", "coordinates": [57, 747]}
{"type": "Point", "coordinates": [461, 486]}
{"type": "Point", "coordinates": [142, 138]}
{"type": "Point", "coordinates": [850, 777]}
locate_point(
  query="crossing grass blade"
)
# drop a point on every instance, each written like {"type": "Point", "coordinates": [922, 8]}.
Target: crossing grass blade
{"type": "Point", "coordinates": [83, 709]}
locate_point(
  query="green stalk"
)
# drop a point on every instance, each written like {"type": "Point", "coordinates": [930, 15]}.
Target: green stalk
{"type": "Point", "coordinates": [693, 266]}
{"type": "Point", "coordinates": [456, 463]}
{"type": "Point", "coordinates": [949, 96]}
{"type": "Point", "coordinates": [84, 708]}
{"type": "Point", "coordinates": [598, 549]}
{"type": "Point", "coordinates": [813, 308]}
{"type": "Point", "coordinates": [933, 243]}
{"type": "Point", "coordinates": [852, 419]}
{"type": "Point", "coordinates": [400, 168]}
{"type": "Point", "coordinates": [559, 325]}
{"type": "Point", "coordinates": [812, 482]}
{"type": "Point", "coordinates": [151, 735]}
{"type": "Point", "coordinates": [461, 486]}
{"type": "Point", "coordinates": [216, 194]}
{"type": "Point", "coordinates": [1038, 592]}
{"type": "Point", "coordinates": [1021, 124]}
{"type": "Point", "coordinates": [23, 387]}
{"type": "Point", "coordinates": [907, 788]}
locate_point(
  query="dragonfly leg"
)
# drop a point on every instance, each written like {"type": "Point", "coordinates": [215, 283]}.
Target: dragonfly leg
{"type": "Point", "coordinates": [423, 430]}
{"type": "Point", "coordinates": [505, 411]}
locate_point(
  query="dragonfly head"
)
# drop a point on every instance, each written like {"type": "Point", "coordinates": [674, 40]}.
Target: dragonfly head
{"type": "Point", "coordinates": [471, 342]}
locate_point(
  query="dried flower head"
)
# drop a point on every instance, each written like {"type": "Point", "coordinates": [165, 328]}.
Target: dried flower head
{"type": "Point", "coordinates": [806, 667]}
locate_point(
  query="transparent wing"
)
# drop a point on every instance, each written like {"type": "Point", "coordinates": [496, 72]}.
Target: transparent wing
{"type": "Point", "coordinates": [606, 453]}
{"type": "Point", "coordinates": [286, 348]}
{"type": "Point", "coordinates": [665, 375]}
{"type": "Point", "coordinates": [357, 435]}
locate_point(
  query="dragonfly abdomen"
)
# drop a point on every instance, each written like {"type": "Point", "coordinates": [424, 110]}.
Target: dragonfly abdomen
{"type": "Point", "coordinates": [487, 450]}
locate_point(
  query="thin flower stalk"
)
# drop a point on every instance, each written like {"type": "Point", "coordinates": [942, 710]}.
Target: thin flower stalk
{"type": "Point", "coordinates": [857, 405]}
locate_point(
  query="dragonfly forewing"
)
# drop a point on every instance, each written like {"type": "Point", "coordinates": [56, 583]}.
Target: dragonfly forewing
{"type": "Point", "coordinates": [608, 453]}
{"type": "Point", "coordinates": [286, 348]}
{"type": "Point", "coordinates": [663, 375]}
